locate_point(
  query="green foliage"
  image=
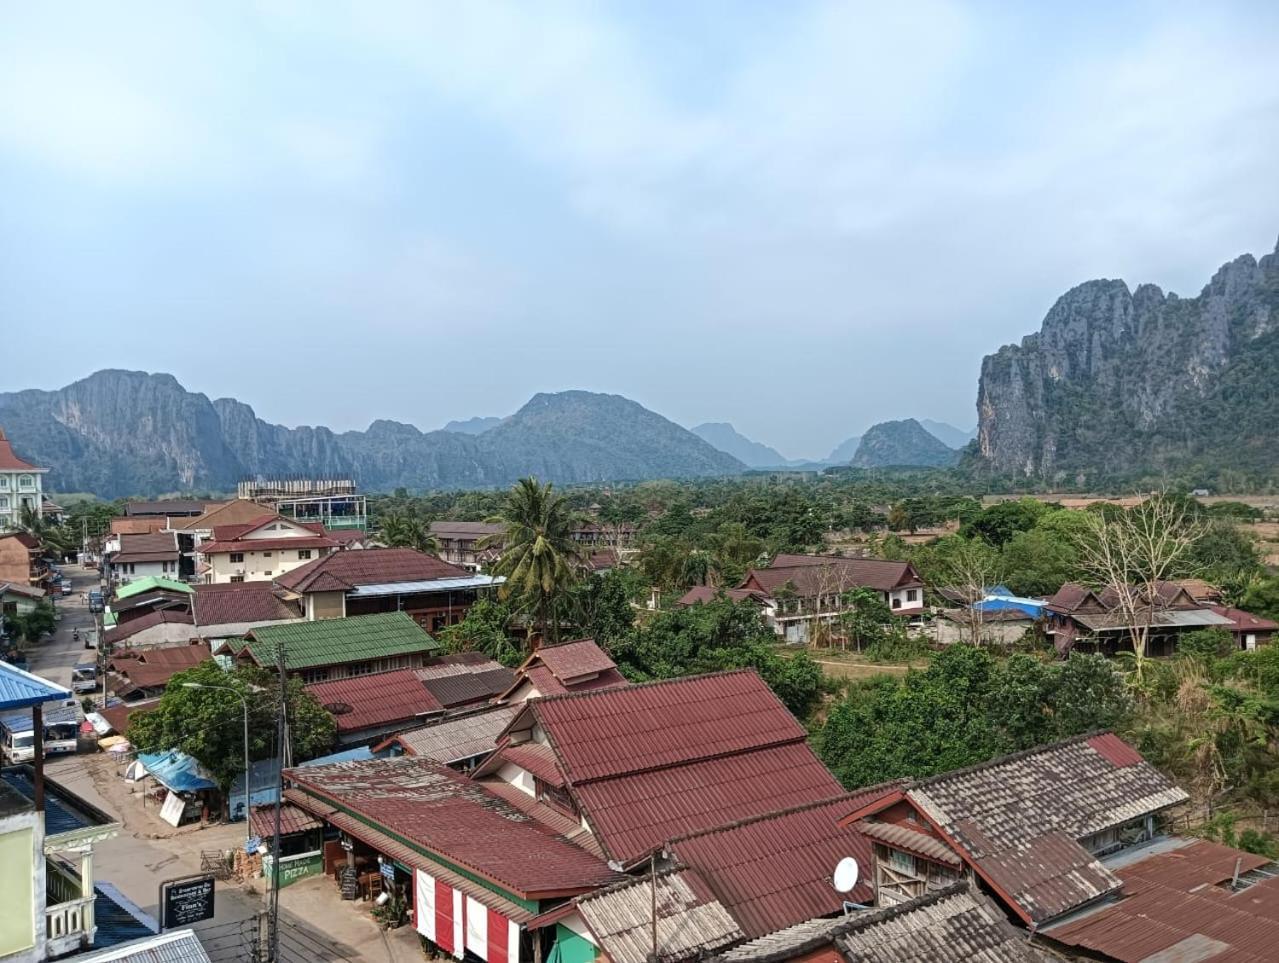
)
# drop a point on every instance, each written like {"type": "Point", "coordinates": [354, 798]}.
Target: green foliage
{"type": "Point", "coordinates": [1001, 521]}
{"type": "Point", "coordinates": [32, 626]}
{"type": "Point", "coordinates": [601, 607]}
{"type": "Point", "coordinates": [484, 629]}
{"type": "Point", "coordinates": [540, 559]}
{"type": "Point", "coordinates": [407, 529]}
{"type": "Point", "coordinates": [713, 637]}
{"type": "Point", "coordinates": [966, 707]}
{"type": "Point", "coordinates": [896, 645]}
{"type": "Point", "coordinates": [865, 618]}
{"type": "Point", "coordinates": [1038, 562]}
{"type": "Point", "coordinates": [208, 724]}
{"type": "Point", "coordinates": [1206, 645]}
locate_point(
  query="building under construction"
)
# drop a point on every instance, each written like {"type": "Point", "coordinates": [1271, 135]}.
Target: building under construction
{"type": "Point", "coordinates": [332, 501]}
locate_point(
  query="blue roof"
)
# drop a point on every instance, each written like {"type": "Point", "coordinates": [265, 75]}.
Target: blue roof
{"type": "Point", "coordinates": [358, 754]}
{"type": "Point", "coordinates": [1008, 603]}
{"type": "Point", "coordinates": [59, 815]}
{"type": "Point", "coordinates": [19, 688]}
{"type": "Point", "coordinates": [176, 770]}
{"type": "Point", "coordinates": [119, 919]}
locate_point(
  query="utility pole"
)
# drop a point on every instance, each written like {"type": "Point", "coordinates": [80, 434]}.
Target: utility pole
{"type": "Point", "coordinates": [273, 917]}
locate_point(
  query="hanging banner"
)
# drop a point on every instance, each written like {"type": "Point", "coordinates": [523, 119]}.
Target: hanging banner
{"type": "Point", "coordinates": [477, 928]}
{"type": "Point", "coordinates": [424, 890]}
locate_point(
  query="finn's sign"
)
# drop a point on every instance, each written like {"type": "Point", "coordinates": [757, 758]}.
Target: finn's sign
{"type": "Point", "coordinates": [186, 901]}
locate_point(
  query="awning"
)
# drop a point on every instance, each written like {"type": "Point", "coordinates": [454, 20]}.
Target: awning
{"type": "Point", "coordinates": [176, 770]}
{"type": "Point", "coordinates": [433, 585]}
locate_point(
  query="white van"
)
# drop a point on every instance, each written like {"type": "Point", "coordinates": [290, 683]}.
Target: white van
{"type": "Point", "coordinates": [18, 738]}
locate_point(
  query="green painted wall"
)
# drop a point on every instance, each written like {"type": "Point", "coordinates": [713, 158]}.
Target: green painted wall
{"type": "Point", "coordinates": [17, 892]}
{"type": "Point", "coordinates": [571, 948]}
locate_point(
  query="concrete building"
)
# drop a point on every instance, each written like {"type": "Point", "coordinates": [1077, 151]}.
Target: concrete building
{"type": "Point", "coordinates": [21, 486]}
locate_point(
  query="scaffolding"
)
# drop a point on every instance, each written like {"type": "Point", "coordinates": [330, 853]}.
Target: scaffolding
{"type": "Point", "coordinates": [334, 502]}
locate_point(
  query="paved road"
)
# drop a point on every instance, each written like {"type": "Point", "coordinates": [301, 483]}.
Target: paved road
{"type": "Point", "coordinates": [53, 658]}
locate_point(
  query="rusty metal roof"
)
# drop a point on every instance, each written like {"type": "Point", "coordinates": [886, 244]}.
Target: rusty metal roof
{"type": "Point", "coordinates": [292, 820]}
{"type": "Point", "coordinates": [690, 919]}
{"type": "Point", "coordinates": [572, 660]}
{"type": "Point", "coordinates": [377, 700]}
{"type": "Point", "coordinates": [1178, 904]}
{"type": "Point", "coordinates": [774, 870]}
{"type": "Point", "coordinates": [455, 819]}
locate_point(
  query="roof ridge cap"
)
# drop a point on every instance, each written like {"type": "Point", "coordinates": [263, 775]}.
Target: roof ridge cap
{"type": "Point", "coordinates": [848, 794]}
{"type": "Point", "coordinates": [651, 683]}
{"type": "Point", "coordinates": [712, 757]}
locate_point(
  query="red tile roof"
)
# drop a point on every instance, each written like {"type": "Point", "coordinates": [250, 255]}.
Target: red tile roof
{"type": "Point", "coordinates": [773, 871]}
{"type": "Point", "coordinates": [538, 759]}
{"type": "Point", "coordinates": [455, 819]}
{"type": "Point", "coordinates": [342, 571]}
{"type": "Point", "coordinates": [118, 716]}
{"type": "Point", "coordinates": [147, 547]}
{"type": "Point", "coordinates": [815, 574]}
{"type": "Point", "coordinates": [570, 661]}
{"type": "Point", "coordinates": [11, 462]}
{"type": "Point", "coordinates": [180, 656]}
{"type": "Point", "coordinates": [240, 602]}
{"type": "Point", "coordinates": [647, 763]}
{"type": "Point", "coordinates": [1244, 621]}
{"type": "Point", "coordinates": [376, 701]}
{"type": "Point", "coordinates": [709, 593]}
{"type": "Point", "coordinates": [1177, 904]}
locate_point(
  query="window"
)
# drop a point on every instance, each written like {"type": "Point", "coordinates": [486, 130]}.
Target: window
{"type": "Point", "coordinates": [912, 595]}
{"type": "Point", "coordinates": [267, 574]}
{"type": "Point", "coordinates": [4, 482]}
{"type": "Point", "coordinates": [303, 553]}
{"type": "Point", "coordinates": [4, 501]}
{"type": "Point", "coordinates": [359, 668]}
{"type": "Point", "coordinates": [320, 674]}
{"type": "Point", "coordinates": [897, 602]}
{"type": "Point", "coordinates": [237, 557]}
{"type": "Point", "coordinates": [265, 555]}
{"type": "Point", "coordinates": [26, 481]}
{"type": "Point", "coordinates": [902, 862]}
{"type": "Point", "coordinates": [237, 578]}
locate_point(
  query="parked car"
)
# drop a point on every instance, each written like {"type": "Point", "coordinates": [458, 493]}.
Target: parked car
{"type": "Point", "coordinates": [66, 587]}
{"type": "Point", "coordinates": [84, 677]}
{"type": "Point", "coordinates": [96, 602]}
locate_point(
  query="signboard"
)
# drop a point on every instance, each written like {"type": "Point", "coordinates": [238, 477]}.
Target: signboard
{"type": "Point", "coordinates": [173, 808]}
{"type": "Point", "coordinates": [388, 870]}
{"type": "Point", "coordinates": [185, 901]}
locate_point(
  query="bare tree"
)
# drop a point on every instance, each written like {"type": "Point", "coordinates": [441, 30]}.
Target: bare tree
{"type": "Point", "coordinates": [1130, 553]}
{"type": "Point", "coordinates": [971, 568]}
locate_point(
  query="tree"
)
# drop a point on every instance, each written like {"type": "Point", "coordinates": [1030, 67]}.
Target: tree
{"type": "Point", "coordinates": [1000, 522]}
{"type": "Point", "coordinates": [30, 627]}
{"type": "Point", "coordinates": [484, 629]}
{"type": "Point", "coordinates": [405, 530]}
{"type": "Point", "coordinates": [865, 616]}
{"type": "Point", "coordinates": [1038, 562]}
{"type": "Point", "coordinates": [540, 558]}
{"type": "Point", "coordinates": [601, 607]}
{"type": "Point", "coordinates": [1134, 551]}
{"type": "Point", "coordinates": [970, 567]}
{"type": "Point", "coordinates": [207, 723]}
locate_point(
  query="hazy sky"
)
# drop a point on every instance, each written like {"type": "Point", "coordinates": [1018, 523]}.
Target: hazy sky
{"type": "Point", "coordinates": [798, 217]}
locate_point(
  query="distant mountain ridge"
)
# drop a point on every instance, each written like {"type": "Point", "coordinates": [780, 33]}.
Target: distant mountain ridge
{"type": "Point", "coordinates": [845, 451]}
{"type": "Point", "coordinates": [724, 437]}
{"type": "Point", "coordinates": [901, 443]}
{"type": "Point", "coordinates": [947, 434]}
{"type": "Point", "coordinates": [118, 433]}
{"type": "Point", "coordinates": [1119, 381]}
{"type": "Point", "coordinates": [473, 426]}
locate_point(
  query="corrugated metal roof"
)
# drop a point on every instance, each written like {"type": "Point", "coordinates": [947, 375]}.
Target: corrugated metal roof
{"type": "Point", "coordinates": [1018, 818]}
{"type": "Point", "coordinates": [20, 688]}
{"type": "Point", "coordinates": [1178, 902]}
{"type": "Point", "coordinates": [369, 567]}
{"type": "Point", "coordinates": [360, 638]}
{"type": "Point", "coordinates": [456, 738]}
{"type": "Point", "coordinates": [538, 759]}
{"type": "Point", "coordinates": [177, 946]}
{"type": "Point", "coordinates": [240, 602]}
{"type": "Point", "coordinates": [612, 732]}
{"type": "Point", "coordinates": [467, 688]}
{"type": "Point", "coordinates": [910, 841]}
{"type": "Point", "coordinates": [292, 820]}
{"type": "Point", "coordinates": [634, 814]}
{"type": "Point", "coordinates": [773, 871]}
{"type": "Point", "coordinates": [376, 700]}
{"type": "Point", "coordinates": [571, 660]}
{"type": "Point", "coordinates": [690, 919]}
{"type": "Point", "coordinates": [949, 925]}
{"type": "Point", "coordinates": [456, 819]}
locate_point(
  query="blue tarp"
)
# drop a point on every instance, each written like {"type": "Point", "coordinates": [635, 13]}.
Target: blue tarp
{"type": "Point", "coordinates": [176, 770]}
{"type": "Point", "coordinates": [1006, 603]}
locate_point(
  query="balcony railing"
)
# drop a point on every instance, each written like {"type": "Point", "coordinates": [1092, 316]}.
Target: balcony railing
{"type": "Point", "coordinates": [73, 918]}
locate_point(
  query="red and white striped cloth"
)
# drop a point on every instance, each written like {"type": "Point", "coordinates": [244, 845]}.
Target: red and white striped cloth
{"type": "Point", "coordinates": [456, 923]}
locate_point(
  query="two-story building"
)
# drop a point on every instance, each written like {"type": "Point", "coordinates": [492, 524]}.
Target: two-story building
{"type": "Point", "coordinates": [153, 555]}
{"type": "Point", "coordinates": [261, 550]}
{"type": "Point", "coordinates": [21, 486]}
{"type": "Point", "coordinates": [22, 560]}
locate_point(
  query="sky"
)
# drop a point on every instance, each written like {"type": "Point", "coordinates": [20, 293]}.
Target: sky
{"type": "Point", "coordinates": [801, 217]}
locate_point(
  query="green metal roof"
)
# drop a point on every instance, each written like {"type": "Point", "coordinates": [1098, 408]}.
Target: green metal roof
{"type": "Point", "coordinates": [334, 641]}
{"type": "Point", "coordinates": [149, 584]}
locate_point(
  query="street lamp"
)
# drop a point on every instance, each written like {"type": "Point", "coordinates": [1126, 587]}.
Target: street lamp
{"type": "Point", "coordinates": [248, 828]}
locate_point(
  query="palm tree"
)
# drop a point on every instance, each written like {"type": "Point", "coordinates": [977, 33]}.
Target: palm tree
{"type": "Point", "coordinates": [401, 530]}
{"type": "Point", "coordinates": [54, 539]}
{"type": "Point", "coordinates": [540, 558]}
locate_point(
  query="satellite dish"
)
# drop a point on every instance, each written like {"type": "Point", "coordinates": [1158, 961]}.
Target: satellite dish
{"type": "Point", "coordinates": [846, 874]}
